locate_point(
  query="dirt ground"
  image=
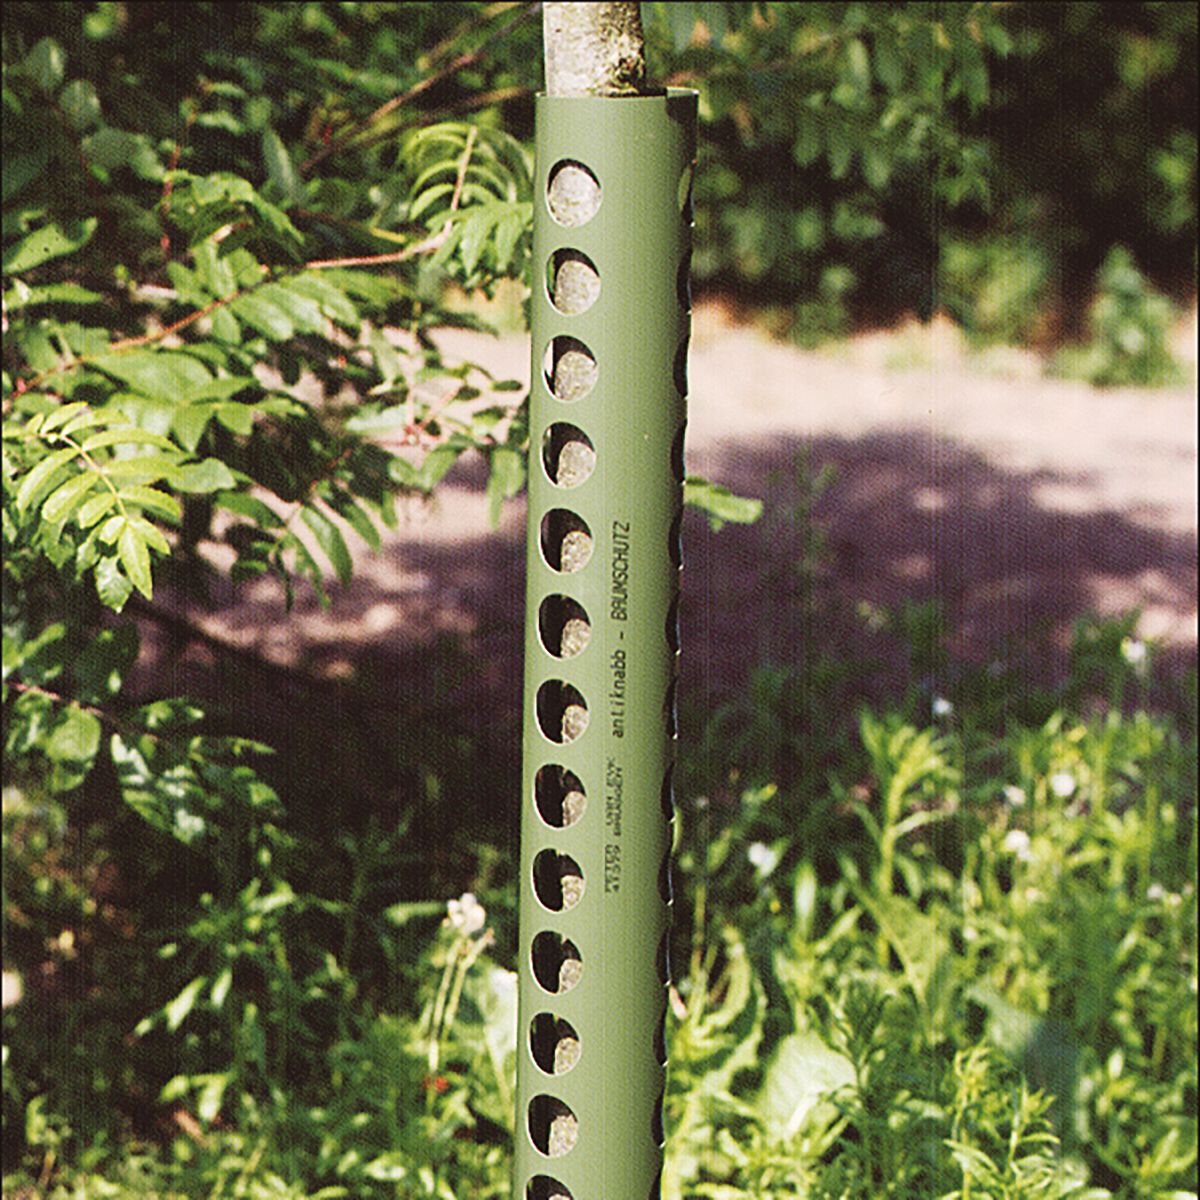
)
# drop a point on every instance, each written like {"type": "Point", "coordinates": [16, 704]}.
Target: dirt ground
{"type": "Point", "coordinates": [1020, 502]}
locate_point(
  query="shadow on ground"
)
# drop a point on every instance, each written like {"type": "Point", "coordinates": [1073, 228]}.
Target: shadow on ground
{"type": "Point", "coordinates": [407, 692]}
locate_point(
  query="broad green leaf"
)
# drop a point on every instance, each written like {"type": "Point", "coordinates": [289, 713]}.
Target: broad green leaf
{"type": "Point", "coordinates": [75, 737]}
{"type": "Point", "coordinates": [169, 800]}
{"type": "Point", "coordinates": [802, 1072]}
{"type": "Point", "coordinates": [437, 462]}
{"type": "Point", "coordinates": [386, 419]}
{"type": "Point", "coordinates": [46, 64]}
{"type": "Point", "coordinates": [153, 499]}
{"type": "Point", "coordinates": [304, 312]}
{"type": "Point", "coordinates": [61, 503]}
{"type": "Point", "coordinates": [81, 104]}
{"type": "Point", "coordinates": [220, 987]}
{"type": "Point", "coordinates": [189, 423]}
{"type": "Point", "coordinates": [48, 242]}
{"type": "Point", "coordinates": [248, 506]}
{"type": "Point", "coordinates": [145, 468]}
{"type": "Point", "coordinates": [111, 585]}
{"type": "Point", "coordinates": [263, 315]}
{"type": "Point", "coordinates": [162, 374]}
{"type": "Point", "coordinates": [330, 539]}
{"type": "Point", "coordinates": [215, 271]}
{"type": "Point", "coordinates": [40, 477]}
{"type": "Point", "coordinates": [62, 416]}
{"type": "Point", "coordinates": [126, 435]}
{"type": "Point", "coordinates": [112, 149]}
{"type": "Point", "coordinates": [334, 303]}
{"type": "Point", "coordinates": [150, 534]}
{"type": "Point", "coordinates": [209, 475]}
{"type": "Point", "coordinates": [225, 327]}
{"type": "Point", "coordinates": [135, 558]}
{"type": "Point", "coordinates": [95, 508]}
{"type": "Point", "coordinates": [237, 418]}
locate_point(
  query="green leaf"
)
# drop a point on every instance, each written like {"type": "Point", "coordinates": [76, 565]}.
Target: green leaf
{"type": "Point", "coordinates": [210, 475]}
{"type": "Point", "coordinates": [176, 1011]}
{"type": "Point", "coordinates": [48, 242]}
{"type": "Point", "coordinates": [135, 558]}
{"type": "Point", "coordinates": [95, 508]}
{"type": "Point", "coordinates": [153, 499]}
{"type": "Point", "coordinates": [387, 360]}
{"type": "Point", "coordinates": [126, 435]}
{"type": "Point", "coordinates": [22, 297]}
{"type": "Point", "coordinates": [720, 503]}
{"type": "Point", "coordinates": [159, 374]}
{"type": "Point", "coordinates": [335, 304]}
{"type": "Point", "coordinates": [263, 315]}
{"type": "Point", "coordinates": [112, 587]}
{"type": "Point", "coordinates": [304, 312]}
{"type": "Point", "coordinates": [75, 737]}
{"type": "Point", "coordinates": [506, 479]}
{"type": "Point", "coordinates": [112, 149]}
{"type": "Point", "coordinates": [248, 506]}
{"type": "Point", "coordinates": [802, 1072]}
{"type": "Point", "coordinates": [344, 505]}
{"type": "Point", "coordinates": [61, 503]}
{"type": "Point", "coordinates": [79, 102]}
{"type": "Point", "coordinates": [46, 64]}
{"type": "Point", "coordinates": [41, 476]}
{"type": "Point", "coordinates": [437, 462]}
{"type": "Point", "coordinates": [330, 539]}
{"type": "Point", "coordinates": [220, 987]}
{"type": "Point", "coordinates": [280, 169]}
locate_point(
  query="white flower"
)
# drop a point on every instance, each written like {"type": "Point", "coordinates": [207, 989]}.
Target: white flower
{"type": "Point", "coordinates": [763, 858]}
{"type": "Point", "coordinates": [14, 989]}
{"type": "Point", "coordinates": [466, 913]}
{"type": "Point", "coordinates": [1016, 841]}
{"type": "Point", "coordinates": [1155, 891]}
{"type": "Point", "coordinates": [1062, 784]}
{"type": "Point", "coordinates": [1014, 795]}
{"type": "Point", "coordinates": [942, 707]}
{"type": "Point", "coordinates": [1134, 652]}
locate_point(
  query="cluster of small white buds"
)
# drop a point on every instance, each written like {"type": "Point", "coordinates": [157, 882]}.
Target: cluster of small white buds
{"type": "Point", "coordinates": [466, 914]}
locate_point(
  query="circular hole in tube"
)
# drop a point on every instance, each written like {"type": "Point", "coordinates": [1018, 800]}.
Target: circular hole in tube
{"type": "Point", "coordinates": [553, 1127]}
{"type": "Point", "coordinates": [668, 793]}
{"type": "Point", "coordinates": [559, 796]}
{"type": "Point", "coordinates": [567, 454]}
{"type": "Point", "coordinates": [556, 963]}
{"type": "Point", "coordinates": [563, 626]}
{"type": "Point", "coordinates": [542, 1187]}
{"type": "Point", "coordinates": [681, 366]}
{"type": "Point", "coordinates": [656, 1122]}
{"type": "Point", "coordinates": [660, 1039]}
{"type": "Point", "coordinates": [678, 469]}
{"type": "Point", "coordinates": [675, 540]}
{"type": "Point", "coordinates": [569, 368]}
{"type": "Point", "coordinates": [572, 282]}
{"type": "Point", "coordinates": [566, 540]}
{"type": "Point", "coordinates": [683, 282]}
{"type": "Point", "coordinates": [553, 1043]}
{"type": "Point", "coordinates": [557, 881]}
{"type": "Point", "coordinates": [662, 959]}
{"type": "Point", "coordinates": [573, 193]}
{"type": "Point", "coordinates": [562, 712]}
{"type": "Point", "coordinates": [673, 625]}
{"type": "Point", "coordinates": [670, 711]}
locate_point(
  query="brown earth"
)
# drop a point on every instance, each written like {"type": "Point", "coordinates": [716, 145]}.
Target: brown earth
{"type": "Point", "coordinates": [1020, 502]}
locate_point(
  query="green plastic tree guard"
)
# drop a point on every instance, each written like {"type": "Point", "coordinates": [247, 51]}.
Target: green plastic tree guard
{"type": "Point", "coordinates": [610, 317]}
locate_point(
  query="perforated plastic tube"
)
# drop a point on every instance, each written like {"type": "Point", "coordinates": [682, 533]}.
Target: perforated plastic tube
{"type": "Point", "coordinates": [610, 330]}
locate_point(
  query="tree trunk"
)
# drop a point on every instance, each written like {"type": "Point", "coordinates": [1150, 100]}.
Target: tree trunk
{"type": "Point", "coordinates": [594, 49]}
{"type": "Point", "coordinates": [590, 49]}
